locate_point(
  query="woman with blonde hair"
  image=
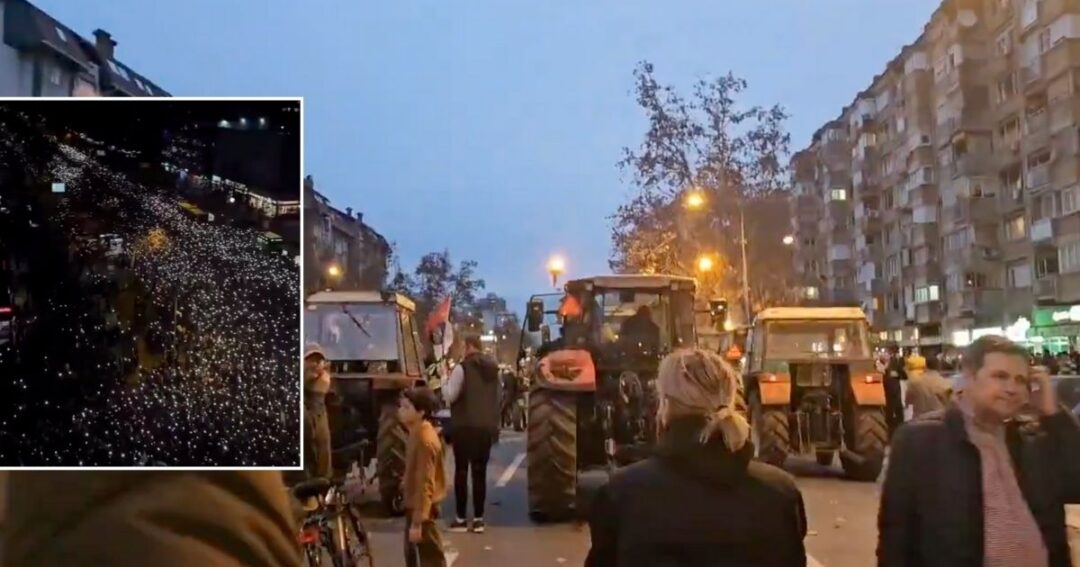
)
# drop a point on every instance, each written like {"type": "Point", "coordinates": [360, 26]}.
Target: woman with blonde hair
{"type": "Point", "coordinates": [699, 499]}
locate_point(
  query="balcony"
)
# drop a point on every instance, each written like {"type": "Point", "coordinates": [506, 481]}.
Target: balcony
{"type": "Point", "coordinates": [839, 252]}
{"type": "Point", "coordinates": [972, 165]}
{"type": "Point", "coordinates": [1062, 56]}
{"type": "Point", "coordinates": [1031, 74]}
{"type": "Point", "coordinates": [1038, 177]}
{"type": "Point", "coordinates": [1042, 231]}
{"type": "Point", "coordinates": [970, 301]}
{"type": "Point", "coordinates": [1046, 288]}
{"type": "Point", "coordinates": [975, 210]}
{"type": "Point", "coordinates": [925, 214]}
{"type": "Point", "coordinates": [930, 312]}
{"type": "Point", "coordinates": [1037, 130]}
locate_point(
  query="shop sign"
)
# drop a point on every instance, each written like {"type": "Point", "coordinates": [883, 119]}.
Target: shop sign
{"type": "Point", "coordinates": [1057, 316]}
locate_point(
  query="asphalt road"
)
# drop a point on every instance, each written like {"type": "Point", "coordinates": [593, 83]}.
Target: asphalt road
{"type": "Point", "coordinates": [842, 518]}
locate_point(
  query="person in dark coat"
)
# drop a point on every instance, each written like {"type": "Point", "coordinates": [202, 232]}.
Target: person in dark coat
{"type": "Point", "coordinates": [894, 397]}
{"type": "Point", "coordinates": [981, 483]}
{"type": "Point", "coordinates": [153, 517]}
{"type": "Point", "coordinates": [699, 500]}
{"type": "Point", "coordinates": [472, 391]}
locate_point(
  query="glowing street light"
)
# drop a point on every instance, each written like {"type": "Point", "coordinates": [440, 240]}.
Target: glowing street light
{"type": "Point", "coordinates": [556, 266]}
{"type": "Point", "coordinates": [789, 240]}
{"type": "Point", "coordinates": [695, 200]}
{"type": "Point", "coordinates": [333, 271]}
{"type": "Point", "coordinates": [705, 264]}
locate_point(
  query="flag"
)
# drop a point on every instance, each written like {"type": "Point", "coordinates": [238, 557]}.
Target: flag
{"type": "Point", "coordinates": [440, 315]}
{"type": "Point", "coordinates": [443, 349]}
{"type": "Point", "coordinates": [570, 308]}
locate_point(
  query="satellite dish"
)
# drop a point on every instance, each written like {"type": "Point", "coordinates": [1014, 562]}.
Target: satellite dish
{"type": "Point", "coordinates": [967, 18]}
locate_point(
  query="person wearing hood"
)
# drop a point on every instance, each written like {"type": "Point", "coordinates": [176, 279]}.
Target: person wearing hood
{"type": "Point", "coordinates": [700, 499]}
{"type": "Point", "coordinates": [927, 390]}
{"type": "Point", "coordinates": [472, 392]}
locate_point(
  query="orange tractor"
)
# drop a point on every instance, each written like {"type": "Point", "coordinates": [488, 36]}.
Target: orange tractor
{"type": "Point", "coordinates": [813, 389]}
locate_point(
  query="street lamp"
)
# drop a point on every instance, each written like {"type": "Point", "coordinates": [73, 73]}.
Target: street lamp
{"type": "Point", "coordinates": [789, 240]}
{"type": "Point", "coordinates": [695, 200]}
{"type": "Point", "coordinates": [705, 264]}
{"type": "Point", "coordinates": [556, 266]}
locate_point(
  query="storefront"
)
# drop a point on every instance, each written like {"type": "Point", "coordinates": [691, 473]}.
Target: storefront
{"type": "Point", "coordinates": [1018, 332]}
{"type": "Point", "coordinates": [1056, 328]}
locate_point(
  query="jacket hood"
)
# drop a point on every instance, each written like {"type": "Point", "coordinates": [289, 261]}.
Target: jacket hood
{"type": "Point", "coordinates": [712, 462]}
{"type": "Point", "coordinates": [916, 362]}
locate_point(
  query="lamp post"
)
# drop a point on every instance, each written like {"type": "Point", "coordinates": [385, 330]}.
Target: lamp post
{"type": "Point", "coordinates": [556, 266]}
{"type": "Point", "coordinates": [695, 201]}
{"type": "Point", "coordinates": [333, 274]}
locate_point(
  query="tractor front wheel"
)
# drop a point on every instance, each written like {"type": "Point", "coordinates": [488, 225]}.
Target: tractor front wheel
{"type": "Point", "coordinates": [552, 454]}
{"type": "Point", "coordinates": [867, 438]}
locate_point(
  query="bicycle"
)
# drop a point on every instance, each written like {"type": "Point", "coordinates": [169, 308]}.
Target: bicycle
{"type": "Point", "coordinates": [333, 527]}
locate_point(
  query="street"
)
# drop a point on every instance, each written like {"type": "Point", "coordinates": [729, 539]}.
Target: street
{"type": "Point", "coordinates": [842, 518]}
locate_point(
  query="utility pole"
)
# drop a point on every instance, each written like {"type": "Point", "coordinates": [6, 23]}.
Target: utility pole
{"type": "Point", "coordinates": [745, 271]}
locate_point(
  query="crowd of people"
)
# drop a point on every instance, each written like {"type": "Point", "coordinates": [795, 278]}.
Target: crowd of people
{"type": "Point", "coordinates": [201, 372]}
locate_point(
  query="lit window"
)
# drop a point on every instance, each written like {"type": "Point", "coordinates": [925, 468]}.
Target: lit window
{"type": "Point", "coordinates": [935, 293]}
{"type": "Point", "coordinates": [811, 292]}
{"type": "Point", "coordinates": [1019, 274]}
{"type": "Point", "coordinates": [839, 194]}
{"type": "Point", "coordinates": [54, 76]}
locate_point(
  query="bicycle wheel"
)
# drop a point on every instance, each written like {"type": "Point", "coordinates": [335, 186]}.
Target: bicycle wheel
{"type": "Point", "coordinates": [357, 552]}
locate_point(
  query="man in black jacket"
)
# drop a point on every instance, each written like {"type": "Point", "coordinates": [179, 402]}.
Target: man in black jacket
{"type": "Point", "coordinates": [978, 483]}
{"type": "Point", "coordinates": [472, 391]}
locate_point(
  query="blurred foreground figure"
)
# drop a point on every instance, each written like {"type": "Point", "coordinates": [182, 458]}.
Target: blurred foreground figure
{"type": "Point", "coordinates": [699, 500]}
{"type": "Point", "coordinates": [980, 483]}
{"type": "Point", "coordinates": [164, 519]}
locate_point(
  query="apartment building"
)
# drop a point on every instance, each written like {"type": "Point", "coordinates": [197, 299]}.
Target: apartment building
{"type": "Point", "coordinates": [964, 193]}
{"type": "Point", "coordinates": [39, 56]}
{"type": "Point", "coordinates": [340, 239]}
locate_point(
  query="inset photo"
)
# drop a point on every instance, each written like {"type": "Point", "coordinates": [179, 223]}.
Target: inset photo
{"type": "Point", "coordinates": [150, 283]}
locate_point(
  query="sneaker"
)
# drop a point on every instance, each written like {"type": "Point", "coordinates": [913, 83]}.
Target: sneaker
{"type": "Point", "coordinates": [478, 526]}
{"type": "Point", "coordinates": [459, 526]}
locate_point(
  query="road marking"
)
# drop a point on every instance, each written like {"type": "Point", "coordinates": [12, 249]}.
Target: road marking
{"type": "Point", "coordinates": [811, 562]}
{"type": "Point", "coordinates": [510, 470]}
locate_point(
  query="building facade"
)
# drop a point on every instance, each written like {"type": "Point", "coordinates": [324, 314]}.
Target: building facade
{"type": "Point", "coordinates": [39, 56]}
{"type": "Point", "coordinates": [961, 213]}
{"type": "Point", "coordinates": [340, 251]}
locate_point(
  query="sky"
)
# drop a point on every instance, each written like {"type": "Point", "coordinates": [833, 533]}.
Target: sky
{"type": "Point", "coordinates": [491, 128]}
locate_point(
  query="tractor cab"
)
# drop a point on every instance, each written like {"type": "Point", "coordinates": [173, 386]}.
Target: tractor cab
{"type": "Point", "coordinates": [374, 349]}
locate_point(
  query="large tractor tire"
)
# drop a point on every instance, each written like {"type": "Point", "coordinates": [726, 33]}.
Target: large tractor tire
{"type": "Point", "coordinates": [867, 438]}
{"type": "Point", "coordinates": [769, 431]}
{"type": "Point", "coordinates": [552, 455]}
{"type": "Point", "coordinates": [390, 457]}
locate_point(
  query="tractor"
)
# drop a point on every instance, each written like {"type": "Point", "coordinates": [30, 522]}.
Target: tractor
{"type": "Point", "coordinates": [813, 389]}
{"type": "Point", "coordinates": [374, 349]}
{"type": "Point", "coordinates": [592, 397]}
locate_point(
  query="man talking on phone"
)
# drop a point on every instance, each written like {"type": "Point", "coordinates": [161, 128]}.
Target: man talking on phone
{"type": "Point", "coordinates": [985, 481]}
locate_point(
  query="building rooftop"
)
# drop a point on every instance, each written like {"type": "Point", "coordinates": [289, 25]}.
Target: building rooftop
{"type": "Point", "coordinates": [28, 27]}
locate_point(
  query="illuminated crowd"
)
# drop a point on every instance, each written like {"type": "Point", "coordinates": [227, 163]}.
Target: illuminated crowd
{"type": "Point", "coordinates": [211, 378]}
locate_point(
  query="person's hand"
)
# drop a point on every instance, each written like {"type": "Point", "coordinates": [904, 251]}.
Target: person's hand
{"type": "Point", "coordinates": [414, 533]}
{"type": "Point", "coordinates": [1045, 399]}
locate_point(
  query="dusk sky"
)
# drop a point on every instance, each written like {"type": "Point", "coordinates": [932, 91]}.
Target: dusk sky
{"type": "Point", "coordinates": [481, 125]}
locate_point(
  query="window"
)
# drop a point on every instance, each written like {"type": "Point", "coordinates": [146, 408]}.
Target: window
{"type": "Point", "coordinates": [1046, 266]}
{"type": "Point", "coordinates": [838, 194]}
{"type": "Point", "coordinates": [812, 292]}
{"type": "Point", "coordinates": [958, 240]}
{"type": "Point", "coordinates": [1046, 207]}
{"type": "Point", "coordinates": [1044, 40]}
{"type": "Point", "coordinates": [935, 292]}
{"type": "Point", "coordinates": [1019, 274]}
{"type": "Point", "coordinates": [1069, 257]}
{"type": "Point", "coordinates": [54, 75]}
{"type": "Point", "coordinates": [976, 280]}
{"type": "Point", "coordinates": [1009, 131]}
{"type": "Point", "coordinates": [927, 294]}
{"type": "Point", "coordinates": [1015, 228]}
{"type": "Point", "coordinates": [1006, 87]}
{"type": "Point", "coordinates": [1070, 200]}
{"type": "Point", "coordinates": [1004, 43]}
